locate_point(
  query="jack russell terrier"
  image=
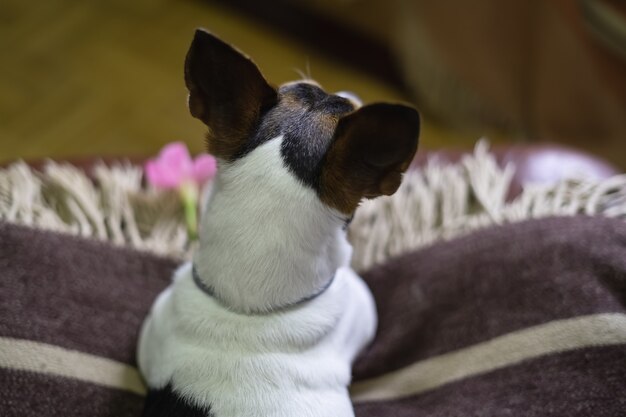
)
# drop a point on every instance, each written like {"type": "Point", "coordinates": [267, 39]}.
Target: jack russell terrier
{"type": "Point", "coordinates": [268, 318]}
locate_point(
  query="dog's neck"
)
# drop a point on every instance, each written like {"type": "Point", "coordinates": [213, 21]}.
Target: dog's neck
{"type": "Point", "coordinates": [267, 241]}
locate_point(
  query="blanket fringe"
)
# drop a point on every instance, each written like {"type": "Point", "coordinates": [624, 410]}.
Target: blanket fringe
{"type": "Point", "coordinates": [112, 204]}
{"type": "Point", "coordinates": [437, 202]}
{"type": "Point", "coordinates": [440, 202]}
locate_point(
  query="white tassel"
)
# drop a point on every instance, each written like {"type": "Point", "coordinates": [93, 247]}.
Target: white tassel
{"type": "Point", "coordinates": [442, 202]}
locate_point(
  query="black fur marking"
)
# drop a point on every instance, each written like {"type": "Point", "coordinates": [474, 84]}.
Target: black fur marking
{"type": "Point", "coordinates": [348, 221]}
{"type": "Point", "coordinates": [306, 116]}
{"type": "Point", "coordinates": [165, 402]}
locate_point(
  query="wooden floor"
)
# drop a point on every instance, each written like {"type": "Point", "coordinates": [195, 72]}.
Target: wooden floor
{"type": "Point", "coordinates": [105, 78]}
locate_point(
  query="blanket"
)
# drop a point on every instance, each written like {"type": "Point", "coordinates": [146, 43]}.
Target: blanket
{"type": "Point", "coordinates": [524, 319]}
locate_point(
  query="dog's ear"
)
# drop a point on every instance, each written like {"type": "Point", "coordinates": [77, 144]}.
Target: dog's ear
{"type": "Point", "coordinates": [226, 91]}
{"type": "Point", "coordinates": [371, 149]}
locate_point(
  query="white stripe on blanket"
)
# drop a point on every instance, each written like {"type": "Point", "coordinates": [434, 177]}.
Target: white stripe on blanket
{"type": "Point", "coordinates": [26, 355]}
{"type": "Point", "coordinates": [509, 349]}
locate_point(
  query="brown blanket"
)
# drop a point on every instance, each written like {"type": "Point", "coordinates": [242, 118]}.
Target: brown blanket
{"type": "Point", "coordinates": [522, 320]}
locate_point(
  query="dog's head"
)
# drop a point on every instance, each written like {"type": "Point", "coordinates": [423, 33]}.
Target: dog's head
{"type": "Point", "coordinates": [343, 151]}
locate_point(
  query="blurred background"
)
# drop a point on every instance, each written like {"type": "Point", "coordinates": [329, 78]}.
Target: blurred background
{"type": "Point", "coordinates": [105, 78]}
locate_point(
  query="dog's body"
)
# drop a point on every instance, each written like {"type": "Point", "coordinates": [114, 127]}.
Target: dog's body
{"type": "Point", "coordinates": [220, 363]}
{"type": "Point", "coordinates": [293, 362]}
{"type": "Point", "coordinates": [269, 318]}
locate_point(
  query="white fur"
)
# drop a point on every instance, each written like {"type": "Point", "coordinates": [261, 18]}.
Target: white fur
{"type": "Point", "coordinates": [267, 241]}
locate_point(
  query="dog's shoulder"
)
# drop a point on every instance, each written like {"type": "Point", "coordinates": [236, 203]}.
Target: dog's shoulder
{"type": "Point", "coordinates": [165, 402]}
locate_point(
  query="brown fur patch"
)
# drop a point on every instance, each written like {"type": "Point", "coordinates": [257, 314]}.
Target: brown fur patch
{"type": "Point", "coordinates": [371, 149]}
{"type": "Point", "coordinates": [226, 91]}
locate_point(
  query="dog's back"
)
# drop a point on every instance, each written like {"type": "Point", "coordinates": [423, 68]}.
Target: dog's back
{"type": "Point", "coordinates": [222, 363]}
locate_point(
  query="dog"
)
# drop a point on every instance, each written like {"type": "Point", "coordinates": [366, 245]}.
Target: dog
{"type": "Point", "coordinates": [268, 317]}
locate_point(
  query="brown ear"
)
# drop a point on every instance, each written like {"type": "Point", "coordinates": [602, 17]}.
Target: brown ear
{"type": "Point", "coordinates": [226, 91]}
{"type": "Point", "coordinates": [371, 149]}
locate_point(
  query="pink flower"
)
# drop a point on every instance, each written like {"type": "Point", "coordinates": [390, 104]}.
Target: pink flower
{"type": "Point", "coordinates": [174, 167]}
